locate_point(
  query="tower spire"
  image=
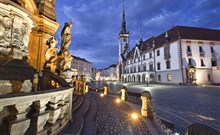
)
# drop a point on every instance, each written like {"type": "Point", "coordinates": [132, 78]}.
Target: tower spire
{"type": "Point", "coordinates": [123, 25]}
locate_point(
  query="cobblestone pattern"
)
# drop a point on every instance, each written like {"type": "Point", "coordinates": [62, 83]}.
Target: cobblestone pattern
{"type": "Point", "coordinates": [114, 119]}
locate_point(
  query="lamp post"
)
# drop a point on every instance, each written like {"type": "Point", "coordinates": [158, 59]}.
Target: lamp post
{"type": "Point", "coordinates": [147, 79]}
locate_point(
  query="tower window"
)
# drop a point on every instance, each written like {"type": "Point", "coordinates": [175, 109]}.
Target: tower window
{"type": "Point", "coordinates": [188, 49]}
{"type": "Point", "coordinates": [200, 49]}
{"type": "Point", "coordinates": [212, 50]}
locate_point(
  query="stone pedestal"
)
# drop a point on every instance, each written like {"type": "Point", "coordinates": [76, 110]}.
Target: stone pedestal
{"type": "Point", "coordinates": [144, 106]}
{"type": "Point", "coordinates": [123, 94]}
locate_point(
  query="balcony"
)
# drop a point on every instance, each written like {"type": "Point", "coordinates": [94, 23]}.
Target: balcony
{"type": "Point", "coordinates": [166, 56]}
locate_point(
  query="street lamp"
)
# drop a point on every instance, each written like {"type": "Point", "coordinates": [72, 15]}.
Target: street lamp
{"type": "Point", "coordinates": [147, 79]}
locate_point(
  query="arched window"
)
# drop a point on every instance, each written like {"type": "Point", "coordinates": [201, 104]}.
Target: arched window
{"type": "Point", "coordinates": [169, 77]}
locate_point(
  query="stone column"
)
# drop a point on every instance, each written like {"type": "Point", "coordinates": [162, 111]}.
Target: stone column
{"type": "Point", "coordinates": [144, 106]}
{"type": "Point", "coordinates": [21, 124]}
{"type": "Point", "coordinates": [123, 94]}
{"type": "Point", "coordinates": [105, 90]}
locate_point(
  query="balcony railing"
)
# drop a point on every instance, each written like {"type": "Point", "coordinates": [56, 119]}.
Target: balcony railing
{"type": "Point", "coordinates": [166, 56]}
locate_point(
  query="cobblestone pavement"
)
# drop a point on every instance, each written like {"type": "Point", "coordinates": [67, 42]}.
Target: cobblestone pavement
{"type": "Point", "coordinates": [115, 119]}
{"type": "Point", "coordinates": [182, 105]}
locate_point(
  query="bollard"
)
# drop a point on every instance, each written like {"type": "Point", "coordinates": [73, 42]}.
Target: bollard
{"type": "Point", "coordinates": [87, 88]}
{"type": "Point", "coordinates": [144, 108]}
{"type": "Point", "coordinates": [105, 90]}
{"type": "Point", "coordinates": [123, 93]}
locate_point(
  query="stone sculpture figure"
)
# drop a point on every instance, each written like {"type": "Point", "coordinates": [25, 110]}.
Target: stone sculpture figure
{"type": "Point", "coordinates": [51, 55]}
{"type": "Point", "coordinates": [66, 36]}
{"type": "Point", "coordinates": [65, 56]}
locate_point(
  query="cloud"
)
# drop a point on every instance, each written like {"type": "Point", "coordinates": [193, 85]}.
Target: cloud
{"type": "Point", "coordinates": [96, 23]}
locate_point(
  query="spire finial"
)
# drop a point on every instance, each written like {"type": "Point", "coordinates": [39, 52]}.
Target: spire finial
{"type": "Point", "coordinates": [141, 40]}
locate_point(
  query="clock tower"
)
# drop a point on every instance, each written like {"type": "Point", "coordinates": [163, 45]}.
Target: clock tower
{"type": "Point", "coordinates": [123, 47]}
{"type": "Point", "coordinates": [123, 38]}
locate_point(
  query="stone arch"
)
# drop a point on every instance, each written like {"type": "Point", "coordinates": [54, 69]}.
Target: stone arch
{"type": "Point", "coordinates": [133, 78]}
{"type": "Point", "coordinates": [129, 78]}
{"type": "Point", "coordinates": [138, 78]}
{"type": "Point", "coordinates": [143, 78]}
{"type": "Point", "coordinates": [152, 77]}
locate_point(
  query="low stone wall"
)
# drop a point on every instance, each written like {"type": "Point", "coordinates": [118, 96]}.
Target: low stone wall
{"type": "Point", "coordinates": [44, 113]}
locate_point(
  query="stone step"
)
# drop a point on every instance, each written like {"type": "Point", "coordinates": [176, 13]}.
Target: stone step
{"type": "Point", "coordinates": [77, 103]}
{"type": "Point", "coordinates": [90, 123]}
{"type": "Point", "coordinates": [76, 126]}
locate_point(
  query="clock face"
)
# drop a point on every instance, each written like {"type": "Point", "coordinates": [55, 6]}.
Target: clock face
{"type": "Point", "coordinates": [125, 39]}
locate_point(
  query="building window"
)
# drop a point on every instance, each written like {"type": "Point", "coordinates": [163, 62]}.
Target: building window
{"type": "Point", "coordinates": [139, 69]}
{"type": "Point", "coordinates": [212, 50]}
{"type": "Point", "coordinates": [158, 52]}
{"type": "Point", "coordinates": [150, 55]}
{"type": "Point", "coordinates": [214, 62]}
{"type": "Point", "coordinates": [200, 49]}
{"type": "Point", "coordinates": [131, 70]}
{"type": "Point", "coordinates": [143, 57]}
{"type": "Point", "coordinates": [168, 64]}
{"type": "Point", "coordinates": [190, 61]}
{"type": "Point", "coordinates": [209, 78]}
{"type": "Point", "coordinates": [188, 49]}
{"type": "Point", "coordinates": [151, 67]}
{"type": "Point", "coordinates": [169, 77]}
{"type": "Point", "coordinates": [135, 69]}
{"type": "Point", "coordinates": [159, 77]}
{"type": "Point", "coordinates": [202, 62]}
{"type": "Point", "coordinates": [144, 68]}
{"type": "Point", "coordinates": [158, 66]}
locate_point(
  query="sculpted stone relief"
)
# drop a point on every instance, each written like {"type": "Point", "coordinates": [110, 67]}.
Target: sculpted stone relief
{"type": "Point", "coordinates": [14, 36]}
{"type": "Point", "coordinates": [51, 55]}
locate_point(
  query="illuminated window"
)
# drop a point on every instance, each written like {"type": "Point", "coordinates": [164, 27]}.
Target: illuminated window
{"type": "Point", "coordinates": [159, 77]}
{"type": "Point", "coordinates": [169, 77]}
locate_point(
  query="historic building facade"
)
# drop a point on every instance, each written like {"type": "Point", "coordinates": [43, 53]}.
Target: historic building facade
{"type": "Point", "coordinates": [82, 67]}
{"type": "Point", "coordinates": [181, 55]}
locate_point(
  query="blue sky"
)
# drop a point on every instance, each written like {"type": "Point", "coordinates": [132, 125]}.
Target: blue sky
{"type": "Point", "coordinates": [96, 23]}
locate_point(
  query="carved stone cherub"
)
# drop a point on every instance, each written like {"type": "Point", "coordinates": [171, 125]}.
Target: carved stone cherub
{"type": "Point", "coordinates": [51, 55]}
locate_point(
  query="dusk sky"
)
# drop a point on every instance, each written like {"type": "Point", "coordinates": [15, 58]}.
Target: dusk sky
{"type": "Point", "coordinates": [97, 23]}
